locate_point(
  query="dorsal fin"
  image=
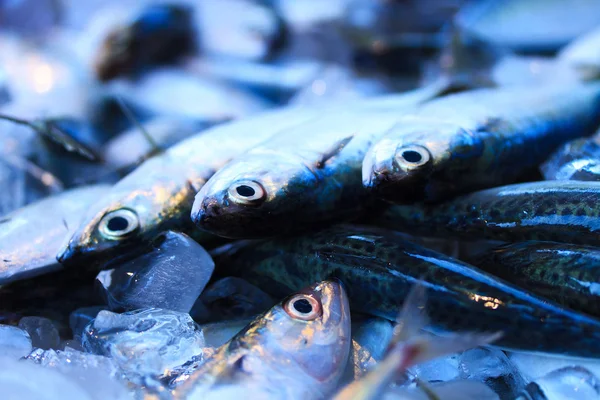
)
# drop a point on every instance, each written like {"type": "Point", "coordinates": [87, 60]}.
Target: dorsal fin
{"type": "Point", "coordinates": [49, 129]}
{"type": "Point", "coordinates": [334, 150]}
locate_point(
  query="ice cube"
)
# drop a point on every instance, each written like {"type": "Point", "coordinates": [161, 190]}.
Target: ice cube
{"type": "Point", "coordinates": [534, 366]}
{"type": "Point", "coordinates": [170, 275]}
{"type": "Point", "coordinates": [442, 369]}
{"type": "Point", "coordinates": [492, 367]}
{"type": "Point", "coordinates": [573, 383]}
{"type": "Point", "coordinates": [25, 381]}
{"type": "Point", "coordinates": [97, 374]}
{"type": "Point", "coordinates": [144, 343]}
{"type": "Point", "coordinates": [453, 390]}
{"type": "Point", "coordinates": [42, 331]}
{"type": "Point", "coordinates": [14, 342]}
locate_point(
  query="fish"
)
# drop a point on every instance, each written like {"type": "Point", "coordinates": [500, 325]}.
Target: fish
{"type": "Point", "coordinates": [577, 160]}
{"type": "Point", "coordinates": [158, 194]}
{"type": "Point", "coordinates": [557, 211]}
{"type": "Point", "coordinates": [307, 175]}
{"type": "Point", "coordinates": [31, 236]}
{"type": "Point", "coordinates": [296, 350]}
{"type": "Point", "coordinates": [159, 34]}
{"type": "Point", "coordinates": [567, 274]}
{"type": "Point", "coordinates": [131, 146]}
{"type": "Point", "coordinates": [408, 348]}
{"type": "Point", "coordinates": [510, 24]}
{"type": "Point", "coordinates": [477, 139]}
{"type": "Point", "coordinates": [582, 55]}
{"type": "Point", "coordinates": [378, 268]}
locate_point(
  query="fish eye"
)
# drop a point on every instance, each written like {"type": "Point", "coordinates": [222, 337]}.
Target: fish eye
{"type": "Point", "coordinates": [412, 156]}
{"type": "Point", "coordinates": [118, 224]}
{"type": "Point", "coordinates": [247, 192]}
{"type": "Point", "coordinates": [303, 307]}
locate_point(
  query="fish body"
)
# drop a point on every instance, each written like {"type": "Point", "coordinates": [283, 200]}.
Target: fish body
{"type": "Point", "coordinates": [477, 139]}
{"type": "Point", "coordinates": [559, 211]}
{"type": "Point", "coordinates": [307, 175]}
{"type": "Point", "coordinates": [577, 160]}
{"type": "Point", "coordinates": [296, 350]}
{"type": "Point", "coordinates": [31, 236]}
{"type": "Point", "coordinates": [159, 34]}
{"type": "Point", "coordinates": [378, 269]}
{"type": "Point", "coordinates": [158, 195]}
{"type": "Point", "coordinates": [509, 23]}
{"type": "Point", "coordinates": [564, 273]}
{"type": "Point", "coordinates": [583, 54]}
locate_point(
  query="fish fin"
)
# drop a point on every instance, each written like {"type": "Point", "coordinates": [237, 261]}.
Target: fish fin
{"type": "Point", "coordinates": [44, 177]}
{"type": "Point", "coordinates": [49, 129]}
{"type": "Point", "coordinates": [426, 389]}
{"type": "Point", "coordinates": [156, 149]}
{"type": "Point", "coordinates": [71, 144]}
{"type": "Point", "coordinates": [334, 151]}
{"type": "Point", "coordinates": [412, 317]}
{"type": "Point", "coordinates": [413, 347]}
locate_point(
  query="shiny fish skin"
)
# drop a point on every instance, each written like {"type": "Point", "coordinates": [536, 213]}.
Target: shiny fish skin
{"type": "Point", "coordinates": [31, 236]}
{"type": "Point", "coordinates": [158, 195]}
{"type": "Point", "coordinates": [577, 160]}
{"type": "Point", "coordinates": [477, 139]}
{"type": "Point", "coordinates": [280, 356]}
{"type": "Point", "coordinates": [583, 54]}
{"type": "Point", "coordinates": [510, 23]}
{"type": "Point", "coordinates": [306, 175]}
{"type": "Point", "coordinates": [378, 270]}
{"type": "Point", "coordinates": [559, 211]}
{"type": "Point", "coordinates": [564, 273]}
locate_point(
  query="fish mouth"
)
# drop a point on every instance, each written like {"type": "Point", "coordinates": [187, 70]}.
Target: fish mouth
{"type": "Point", "coordinates": [333, 299]}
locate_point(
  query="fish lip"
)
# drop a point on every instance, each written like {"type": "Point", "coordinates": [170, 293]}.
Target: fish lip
{"type": "Point", "coordinates": [332, 295]}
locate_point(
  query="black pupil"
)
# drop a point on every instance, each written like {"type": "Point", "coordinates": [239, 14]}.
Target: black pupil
{"type": "Point", "coordinates": [412, 156]}
{"type": "Point", "coordinates": [303, 306]}
{"type": "Point", "coordinates": [117, 224]}
{"type": "Point", "coordinates": [245, 190]}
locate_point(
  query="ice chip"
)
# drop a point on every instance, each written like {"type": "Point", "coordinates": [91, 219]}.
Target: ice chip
{"type": "Point", "coordinates": [492, 367]}
{"type": "Point", "coordinates": [170, 275]}
{"type": "Point", "coordinates": [144, 343]}
{"type": "Point", "coordinates": [573, 383]}
{"type": "Point", "coordinates": [14, 342]}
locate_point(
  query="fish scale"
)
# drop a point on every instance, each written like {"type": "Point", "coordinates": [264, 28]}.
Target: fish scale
{"type": "Point", "coordinates": [488, 137]}
{"type": "Point", "coordinates": [378, 268]}
{"type": "Point", "coordinates": [560, 211]}
{"type": "Point", "coordinates": [565, 273]}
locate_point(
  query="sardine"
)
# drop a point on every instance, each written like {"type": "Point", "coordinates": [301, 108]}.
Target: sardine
{"type": "Point", "coordinates": [559, 211]}
{"type": "Point", "coordinates": [31, 236]}
{"type": "Point", "coordinates": [378, 270]}
{"type": "Point", "coordinates": [307, 175]}
{"type": "Point", "coordinates": [408, 347]}
{"type": "Point", "coordinates": [477, 139]}
{"type": "Point", "coordinates": [158, 195]}
{"type": "Point", "coordinates": [564, 273]}
{"type": "Point", "coordinates": [296, 350]}
{"type": "Point", "coordinates": [159, 34]}
{"type": "Point", "coordinates": [582, 54]}
{"type": "Point", "coordinates": [529, 25]}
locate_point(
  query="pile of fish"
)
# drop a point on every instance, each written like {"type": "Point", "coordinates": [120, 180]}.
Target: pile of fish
{"type": "Point", "coordinates": [283, 199]}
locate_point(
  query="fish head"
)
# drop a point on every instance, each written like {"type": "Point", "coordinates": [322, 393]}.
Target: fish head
{"type": "Point", "coordinates": [132, 213]}
{"type": "Point", "coordinates": [247, 197]}
{"type": "Point", "coordinates": [310, 329]}
{"type": "Point", "coordinates": [400, 165]}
